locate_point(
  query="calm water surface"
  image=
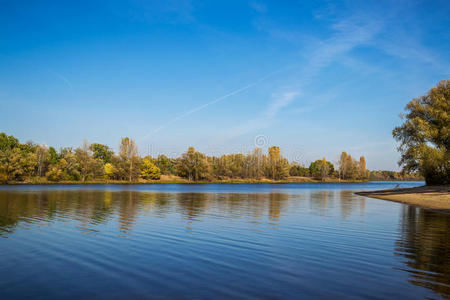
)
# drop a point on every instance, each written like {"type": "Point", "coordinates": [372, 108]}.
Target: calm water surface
{"type": "Point", "coordinates": [219, 241]}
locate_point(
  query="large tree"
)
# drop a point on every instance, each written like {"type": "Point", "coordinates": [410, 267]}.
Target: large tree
{"type": "Point", "coordinates": [424, 135]}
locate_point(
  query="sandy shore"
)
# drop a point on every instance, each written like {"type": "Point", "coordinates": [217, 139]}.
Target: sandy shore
{"type": "Point", "coordinates": [434, 197]}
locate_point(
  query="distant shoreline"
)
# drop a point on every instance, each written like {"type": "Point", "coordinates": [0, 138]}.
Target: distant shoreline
{"type": "Point", "coordinates": [432, 197]}
{"type": "Point", "coordinates": [185, 181]}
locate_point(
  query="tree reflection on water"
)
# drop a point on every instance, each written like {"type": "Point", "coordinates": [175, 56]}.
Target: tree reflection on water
{"type": "Point", "coordinates": [91, 207]}
{"type": "Point", "coordinates": [423, 242]}
{"type": "Point", "coordinates": [425, 246]}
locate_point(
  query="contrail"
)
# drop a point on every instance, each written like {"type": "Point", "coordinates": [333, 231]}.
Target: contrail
{"type": "Point", "coordinates": [221, 98]}
{"type": "Point", "coordinates": [41, 69]}
{"type": "Point", "coordinates": [62, 78]}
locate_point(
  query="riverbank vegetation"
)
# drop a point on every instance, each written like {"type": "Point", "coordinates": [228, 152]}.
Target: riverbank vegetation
{"type": "Point", "coordinates": [93, 163]}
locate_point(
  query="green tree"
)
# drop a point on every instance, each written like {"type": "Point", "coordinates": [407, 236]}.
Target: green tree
{"type": "Point", "coordinates": [321, 169]}
{"type": "Point", "coordinates": [17, 161]}
{"type": "Point", "coordinates": [8, 142]}
{"type": "Point", "coordinates": [89, 167]}
{"type": "Point", "coordinates": [165, 164]}
{"type": "Point", "coordinates": [67, 167]}
{"type": "Point", "coordinates": [54, 156]}
{"type": "Point", "coordinates": [101, 152]}
{"type": "Point", "coordinates": [149, 170]}
{"type": "Point", "coordinates": [424, 136]}
{"type": "Point", "coordinates": [298, 170]}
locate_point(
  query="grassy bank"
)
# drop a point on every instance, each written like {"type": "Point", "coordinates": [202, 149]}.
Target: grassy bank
{"type": "Point", "coordinates": [434, 197]}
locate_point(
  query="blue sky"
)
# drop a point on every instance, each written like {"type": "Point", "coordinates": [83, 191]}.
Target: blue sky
{"type": "Point", "coordinates": [315, 78]}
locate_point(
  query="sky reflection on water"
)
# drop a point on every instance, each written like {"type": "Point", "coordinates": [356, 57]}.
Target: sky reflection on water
{"type": "Point", "coordinates": [310, 241]}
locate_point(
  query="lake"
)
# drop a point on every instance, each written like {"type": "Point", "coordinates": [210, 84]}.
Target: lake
{"type": "Point", "coordinates": [219, 241]}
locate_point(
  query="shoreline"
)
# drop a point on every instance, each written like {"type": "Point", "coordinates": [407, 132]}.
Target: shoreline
{"type": "Point", "coordinates": [185, 181]}
{"type": "Point", "coordinates": [431, 197]}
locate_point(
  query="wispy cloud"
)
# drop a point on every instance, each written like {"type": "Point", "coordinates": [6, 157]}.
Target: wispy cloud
{"type": "Point", "coordinates": [63, 78]}
{"type": "Point", "coordinates": [258, 7]}
{"type": "Point", "coordinates": [349, 34]}
{"type": "Point", "coordinates": [408, 48]}
{"type": "Point", "coordinates": [45, 70]}
{"type": "Point", "coordinates": [279, 102]}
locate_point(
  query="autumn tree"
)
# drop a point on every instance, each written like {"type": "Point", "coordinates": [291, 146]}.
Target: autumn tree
{"type": "Point", "coordinates": [255, 164]}
{"type": "Point", "coordinates": [193, 165]}
{"type": "Point", "coordinates": [42, 159]}
{"type": "Point", "coordinates": [220, 166]}
{"type": "Point", "coordinates": [149, 170]}
{"type": "Point", "coordinates": [424, 136]}
{"type": "Point", "coordinates": [236, 165]}
{"type": "Point", "coordinates": [17, 161]}
{"type": "Point", "coordinates": [324, 168]}
{"type": "Point", "coordinates": [362, 167]}
{"type": "Point", "coordinates": [277, 166]}
{"type": "Point", "coordinates": [20, 164]}
{"type": "Point", "coordinates": [110, 171]}
{"type": "Point", "coordinates": [128, 152]}
{"type": "Point", "coordinates": [343, 165]}
{"type": "Point", "coordinates": [351, 168]}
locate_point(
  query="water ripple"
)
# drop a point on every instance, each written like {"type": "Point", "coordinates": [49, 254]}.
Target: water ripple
{"type": "Point", "coordinates": [219, 242]}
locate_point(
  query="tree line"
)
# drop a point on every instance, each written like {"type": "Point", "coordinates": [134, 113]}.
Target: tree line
{"type": "Point", "coordinates": [30, 162]}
